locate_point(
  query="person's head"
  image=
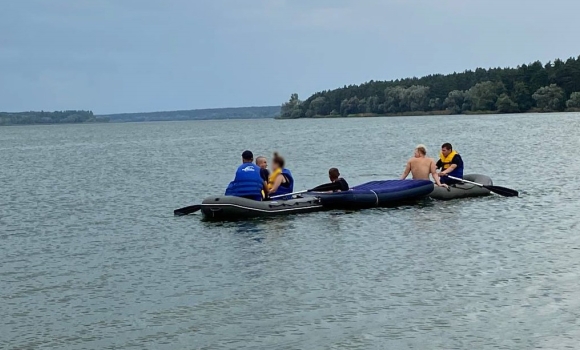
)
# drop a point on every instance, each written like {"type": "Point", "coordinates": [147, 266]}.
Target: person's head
{"type": "Point", "coordinates": [333, 174]}
{"type": "Point", "coordinates": [277, 161]}
{"type": "Point", "coordinates": [446, 149]}
{"type": "Point", "coordinates": [247, 157]}
{"type": "Point", "coordinates": [420, 151]}
{"type": "Point", "coordinates": [262, 162]}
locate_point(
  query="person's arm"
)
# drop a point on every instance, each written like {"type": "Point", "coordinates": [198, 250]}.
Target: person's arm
{"type": "Point", "coordinates": [407, 171]}
{"type": "Point", "coordinates": [455, 162]}
{"type": "Point", "coordinates": [439, 164]}
{"type": "Point", "coordinates": [336, 183]}
{"type": "Point", "coordinates": [436, 176]}
{"type": "Point", "coordinates": [448, 170]}
{"type": "Point", "coordinates": [277, 183]}
{"type": "Point", "coordinates": [264, 174]}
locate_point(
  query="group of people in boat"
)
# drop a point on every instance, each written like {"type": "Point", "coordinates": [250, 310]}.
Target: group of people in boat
{"type": "Point", "coordinates": [450, 165]}
{"type": "Point", "coordinates": [255, 181]}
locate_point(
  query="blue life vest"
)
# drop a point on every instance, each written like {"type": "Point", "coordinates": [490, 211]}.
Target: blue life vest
{"type": "Point", "coordinates": [287, 187]}
{"type": "Point", "coordinates": [457, 172]}
{"type": "Point", "coordinates": [247, 183]}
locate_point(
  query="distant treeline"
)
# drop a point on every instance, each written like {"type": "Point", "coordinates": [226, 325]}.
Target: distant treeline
{"type": "Point", "coordinates": [59, 117]}
{"type": "Point", "coordinates": [534, 87]}
{"type": "Point", "coordinates": [199, 114]}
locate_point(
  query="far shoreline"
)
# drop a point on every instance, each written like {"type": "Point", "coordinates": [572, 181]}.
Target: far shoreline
{"type": "Point", "coordinates": [425, 114]}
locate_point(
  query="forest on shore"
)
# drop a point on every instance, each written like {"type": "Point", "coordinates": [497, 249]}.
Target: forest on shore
{"type": "Point", "coordinates": [535, 87]}
{"type": "Point", "coordinates": [73, 116]}
{"type": "Point", "coordinates": [42, 117]}
{"type": "Point", "coordinates": [199, 114]}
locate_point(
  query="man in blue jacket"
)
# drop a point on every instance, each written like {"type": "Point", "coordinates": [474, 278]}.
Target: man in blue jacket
{"type": "Point", "coordinates": [247, 182]}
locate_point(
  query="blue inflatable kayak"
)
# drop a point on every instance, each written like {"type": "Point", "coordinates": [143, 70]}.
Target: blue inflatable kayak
{"type": "Point", "coordinates": [372, 194]}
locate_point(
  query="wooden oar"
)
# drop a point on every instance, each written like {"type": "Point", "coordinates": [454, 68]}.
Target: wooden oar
{"type": "Point", "coordinates": [502, 191]}
{"type": "Point", "coordinates": [331, 186]}
{"type": "Point", "coordinates": [187, 210]}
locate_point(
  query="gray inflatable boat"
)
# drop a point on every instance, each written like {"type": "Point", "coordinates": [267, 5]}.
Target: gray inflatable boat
{"type": "Point", "coordinates": [463, 190]}
{"type": "Point", "coordinates": [229, 208]}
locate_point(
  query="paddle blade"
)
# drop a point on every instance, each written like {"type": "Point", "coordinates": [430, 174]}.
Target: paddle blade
{"type": "Point", "coordinates": [503, 191]}
{"type": "Point", "coordinates": [187, 210]}
{"type": "Point", "coordinates": [331, 186]}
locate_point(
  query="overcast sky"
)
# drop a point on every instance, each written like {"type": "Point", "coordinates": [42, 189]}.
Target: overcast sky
{"type": "Point", "coordinates": [151, 55]}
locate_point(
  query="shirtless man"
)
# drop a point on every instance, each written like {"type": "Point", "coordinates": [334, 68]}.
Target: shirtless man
{"type": "Point", "coordinates": [421, 166]}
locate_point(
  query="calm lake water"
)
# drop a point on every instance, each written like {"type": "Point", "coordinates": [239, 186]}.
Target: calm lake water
{"type": "Point", "coordinates": [91, 256]}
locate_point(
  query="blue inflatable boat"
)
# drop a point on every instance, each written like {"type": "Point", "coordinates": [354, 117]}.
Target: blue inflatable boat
{"type": "Point", "coordinates": [387, 193]}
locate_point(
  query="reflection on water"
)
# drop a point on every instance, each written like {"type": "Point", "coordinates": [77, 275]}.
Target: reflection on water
{"type": "Point", "coordinates": [91, 256]}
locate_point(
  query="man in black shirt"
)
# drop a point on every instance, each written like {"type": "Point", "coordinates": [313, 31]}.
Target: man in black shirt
{"type": "Point", "coordinates": [334, 176]}
{"type": "Point", "coordinates": [450, 163]}
{"type": "Point", "coordinates": [263, 164]}
{"type": "Point", "coordinates": [264, 173]}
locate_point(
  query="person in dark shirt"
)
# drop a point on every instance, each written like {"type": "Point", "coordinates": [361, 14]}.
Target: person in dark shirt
{"type": "Point", "coordinates": [262, 162]}
{"type": "Point", "coordinates": [334, 176]}
{"type": "Point", "coordinates": [450, 163]}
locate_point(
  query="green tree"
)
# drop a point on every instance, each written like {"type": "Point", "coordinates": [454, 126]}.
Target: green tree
{"type": "Point", "coordinates": [483, 96]}
{"type": "Point", "coordinates": [373, 103]}
{"type": "Point", "coordinates": [522, 96]}
{"type": "Point", "coordinates": [291, 109]}
{"type": "Point", "coordinates": [362, 106]}
{"type": "Point", "coordinates": [454, 101]}
{"type": "Point", "coordinates": [549, 98]}
{"type": "Point", "coordinates": [349, 106]}
{"type": "Point", "coordinates": [574, 101]}
{"type": "Point", "coordinates": [415, 98]}
{"type": "Point", "coordinates": [393, 98]}
{"type": "Point", "coordinates": [504, 104]}
{"type": "Point", "coordinates": [319, 106]}
{"type": "Point", "coordinates": [435, 104]}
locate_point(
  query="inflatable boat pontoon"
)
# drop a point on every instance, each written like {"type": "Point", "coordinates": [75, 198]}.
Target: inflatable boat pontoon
{"type": "Point", "coordinates": [222, 208]}
{"type": "Point", "coordinates": [464, 190]}
{"type": "Point", "coordinates": [387, 193]}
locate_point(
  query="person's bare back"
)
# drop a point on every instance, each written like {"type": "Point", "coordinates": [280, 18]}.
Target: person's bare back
{"type": "Point", "coordinates": [421, 166]}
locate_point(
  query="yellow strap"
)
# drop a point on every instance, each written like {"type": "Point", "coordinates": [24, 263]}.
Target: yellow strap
{"type": "Point", "coordinates": [273, 177]}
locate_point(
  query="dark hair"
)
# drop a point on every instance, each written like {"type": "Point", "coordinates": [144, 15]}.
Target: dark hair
{"type": "Point", "coordinates": [447, 145]}
{"type": "Point", "coordinates": [278, 159]}
{"type": "Point", "coordinates": [247, 155]}
{"type": "Point", "coordinates": [333, 173]}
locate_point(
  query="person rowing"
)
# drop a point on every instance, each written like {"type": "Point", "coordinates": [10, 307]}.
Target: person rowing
{"type": "Point", "coordinates": [451, 164]}
{"type": "Point", "coordinates": [421, 166]}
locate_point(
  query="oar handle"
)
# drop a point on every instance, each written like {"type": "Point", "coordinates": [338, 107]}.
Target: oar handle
{"type": "Point", "coordinates": [466, 181]}
{"type": "Point", "coordinates": [288, 194]}
{"type": "Point", "coordinates": [331, 186]}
